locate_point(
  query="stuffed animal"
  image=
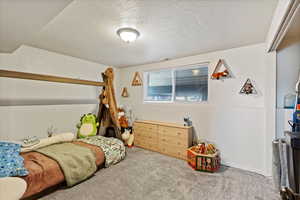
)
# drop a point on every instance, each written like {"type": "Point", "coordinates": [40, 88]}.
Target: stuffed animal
{"type": "Point", "coordinates": [87, 126]}
{"type": "Point", "coordinates": [122, 118]}
{"type": "Point", "coordinates": [128, 138]}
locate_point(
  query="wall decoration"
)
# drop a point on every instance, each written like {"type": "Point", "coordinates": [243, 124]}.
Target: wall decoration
{"type": "Point", "coordinates": [221, 71]}
{"type": "Point", "coordinates": [124, 92]}
{"type": "Point", "coordinates": [248, 88]}
{"type": "Point", "coordinates": [137, 80]}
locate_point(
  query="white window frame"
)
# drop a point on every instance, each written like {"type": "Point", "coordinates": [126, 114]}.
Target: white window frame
{"type": "Point", "coordinates": [173, 69]}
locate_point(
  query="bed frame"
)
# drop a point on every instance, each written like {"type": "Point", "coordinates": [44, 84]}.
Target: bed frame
{"type": "Point", "coordinates": [107, 114]}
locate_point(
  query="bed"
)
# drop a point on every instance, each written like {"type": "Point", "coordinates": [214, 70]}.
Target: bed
{"type": "Point", "coordinates": [45, 173]}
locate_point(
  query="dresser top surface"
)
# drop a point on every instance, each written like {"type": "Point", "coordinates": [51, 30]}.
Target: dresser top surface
{"type": "Point", "coordinates": [177, 125]}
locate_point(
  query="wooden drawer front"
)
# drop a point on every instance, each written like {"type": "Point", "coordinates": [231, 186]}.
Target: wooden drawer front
{"type": "Point", "coordinates": [173, 132]}
{"type": "Point", "coordinates": [139, 142]}
{"type": "Point", "coordinates": [173, 151]}
{"type": "Point", "coordinates": [165, 140]}
{"type": "Point", "coordinates": [151, 146]}
{"type": "Point", "coordinates": [145, 127]}
{"type": "Point", "coordinates": [147, 136]}
{"type": "Point", "coordinates": [146, 144]}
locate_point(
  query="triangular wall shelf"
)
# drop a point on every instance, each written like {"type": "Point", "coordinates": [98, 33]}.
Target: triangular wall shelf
{"type": "Point", "coordinates": [137, 80]}
{"type": "Point", "coordinates": [248, 88]}
{"type": "Point", "coordinates": [124, 92]}
{"type": "Point", "coordinates": [221, 71]}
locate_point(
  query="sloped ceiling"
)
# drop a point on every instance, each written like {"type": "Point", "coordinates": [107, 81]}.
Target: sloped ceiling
{"type": "Point", "coordinates": [21, 19]}
{"type": "Point", "coordinates": [169, 28]}
{"type": "Point", "coordinates": [292, 35]}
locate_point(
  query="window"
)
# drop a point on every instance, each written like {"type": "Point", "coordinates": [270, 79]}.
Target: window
{"type": "Point", "coordinates": [180, 84]}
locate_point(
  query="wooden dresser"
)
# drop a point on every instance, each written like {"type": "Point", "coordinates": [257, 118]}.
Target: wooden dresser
{"type": "Point", "coordinates": [166, 138]}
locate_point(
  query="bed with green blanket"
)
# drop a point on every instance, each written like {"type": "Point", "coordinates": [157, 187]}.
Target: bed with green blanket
{"type": "Point", "coordinates": [72, 162]}
{"type": "Point", "coordinates": [78, 163]}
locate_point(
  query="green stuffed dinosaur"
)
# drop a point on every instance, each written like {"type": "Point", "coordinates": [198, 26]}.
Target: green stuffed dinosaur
{"type": "Point", "coordinates": [87, 126]}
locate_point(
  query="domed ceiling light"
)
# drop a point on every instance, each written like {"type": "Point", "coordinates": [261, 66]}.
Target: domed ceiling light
{"type": "Point", "coordinates": [128, 34]}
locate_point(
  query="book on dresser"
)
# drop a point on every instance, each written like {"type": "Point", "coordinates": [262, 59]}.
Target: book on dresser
{"type": "Point", "coordinates": [167, 138]}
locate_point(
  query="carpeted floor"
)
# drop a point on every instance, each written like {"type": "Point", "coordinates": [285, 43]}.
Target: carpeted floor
{"type": "Point", "coordinates": [146, 175]}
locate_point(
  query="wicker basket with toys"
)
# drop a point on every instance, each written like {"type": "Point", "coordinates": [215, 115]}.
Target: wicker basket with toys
{"type": "Point", "coordinates": [204, 157]}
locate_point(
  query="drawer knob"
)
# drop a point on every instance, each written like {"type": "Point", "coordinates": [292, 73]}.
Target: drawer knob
{"type": "Point", "coordinates": [178, 133]}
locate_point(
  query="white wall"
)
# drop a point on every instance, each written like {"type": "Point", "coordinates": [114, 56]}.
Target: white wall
{"type": "Point", "coordinates": [288, 71]}
{"type": "Point", "coordinates": [16, 122]}
{"type": "Point", "coordinates": [237, 124]}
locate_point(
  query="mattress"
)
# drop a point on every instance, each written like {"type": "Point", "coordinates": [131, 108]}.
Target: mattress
{"type": "Point", "coordinates": [45, 172]}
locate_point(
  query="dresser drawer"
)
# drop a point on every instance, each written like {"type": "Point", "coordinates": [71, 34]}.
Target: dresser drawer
{"type": "Point", "coordinates": [173, 132]}
{"type": "Point", "coordinates": [176, 141]}
{"type": "Point", "coordinates": [166, 138]}
{"type": "Point", "coordinates": [145, 127]}
{"type": "Point", "coordinates": [151, 146]}
{"type": "Point", "coordinates": [139, 142]}
{"type": "Point", "coordinates": [139, 133]}
{"type": "Point", "coordinates": [173, 151]}
{"type": "Point", "coordinates": [144, 135]}
{"type": "Point", "coordinates": [147, 144]}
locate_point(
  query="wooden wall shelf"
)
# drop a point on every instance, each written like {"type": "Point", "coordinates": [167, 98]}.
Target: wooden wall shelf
{"type": "Point", "coordinates": [49, 78]}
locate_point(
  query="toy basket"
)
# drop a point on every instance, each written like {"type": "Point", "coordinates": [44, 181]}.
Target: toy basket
{"type": "Point", "coordinates": [202, 162]}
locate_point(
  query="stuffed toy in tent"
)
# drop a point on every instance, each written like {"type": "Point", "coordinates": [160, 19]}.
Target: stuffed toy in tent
{"type": "Point", "coordinates": [87, 126]}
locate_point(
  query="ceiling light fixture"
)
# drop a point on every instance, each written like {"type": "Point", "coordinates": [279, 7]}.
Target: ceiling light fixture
{"type": "Point", "coordinates": [128, 34]}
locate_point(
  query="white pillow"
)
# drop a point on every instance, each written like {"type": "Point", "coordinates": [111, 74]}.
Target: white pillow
{"type": "Point", "coordinates": [12, 188]}
{"type": "Point", "coordinates": [56, 138]}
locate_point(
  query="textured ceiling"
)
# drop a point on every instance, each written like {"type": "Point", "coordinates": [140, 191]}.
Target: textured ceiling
{"type": "Point", "coordinates": [21, 19]}
{"type": "Point", "coordinates": [169, 28]}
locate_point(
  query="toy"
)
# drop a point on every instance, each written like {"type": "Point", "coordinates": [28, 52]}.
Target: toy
{"type": "Point", "coordinates": [187, 121]}
{"type": "Point", "coordinates": [204, 157]}
{"type": "Point", "coordinates": [128, 138]}
{"type": "Point", "coordinates": [221, 71]}
{"type": "Point", "coordinates": [87, 126]}
{"type": "Point", "coordinates": [205, 148]}
{"type": "Point", "coordinates": [122, 118]}
{"type": "Point", "coordinates": [219, 75]}
{"type": "Point", "coordinates": [248, 88]}
{"type": "Point", "coordinates": [296, 114]}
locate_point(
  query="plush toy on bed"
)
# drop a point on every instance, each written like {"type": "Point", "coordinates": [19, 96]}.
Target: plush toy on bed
{"type": "Point", "coordinates": [87, 126]}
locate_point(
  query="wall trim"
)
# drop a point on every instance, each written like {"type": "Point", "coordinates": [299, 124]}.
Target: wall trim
{"type": "Point", "coordinates": [286, 18]}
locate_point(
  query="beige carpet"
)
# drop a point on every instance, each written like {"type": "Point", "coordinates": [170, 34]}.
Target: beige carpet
{"type": "Point", "coordinates": [146, 175]}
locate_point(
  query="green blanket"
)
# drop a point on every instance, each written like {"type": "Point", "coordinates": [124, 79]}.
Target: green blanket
{"type": "Point", "coordinates": [77, 162]}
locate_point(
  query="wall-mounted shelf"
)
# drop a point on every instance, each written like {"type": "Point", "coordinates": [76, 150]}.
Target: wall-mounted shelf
{"type": "Point", "coordinates": [124, 92]}
{"type": "Point", "coordinates": [137, 80]}
{"type": "Point", "coordinates": [248, 88]}
{"type": "Point", "coordinates": [221, 71]}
